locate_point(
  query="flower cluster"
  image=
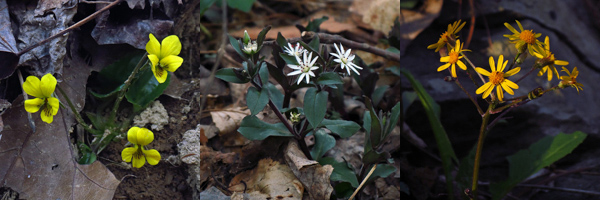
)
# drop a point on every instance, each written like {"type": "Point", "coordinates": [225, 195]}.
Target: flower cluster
{"type": "Point", "coordinates": [448, 36]}
{"type": "Point", "coordinates": [306, 63]}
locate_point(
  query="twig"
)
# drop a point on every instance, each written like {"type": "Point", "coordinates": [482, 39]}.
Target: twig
{"type": "Point", "coordinates": [363, 182]}
{"type": "Point", "coordinates": [469, 95]}
{"type": "Point", "coordinates": [330, 39]}
{"type": "Point", "coordinates": [76, 25]}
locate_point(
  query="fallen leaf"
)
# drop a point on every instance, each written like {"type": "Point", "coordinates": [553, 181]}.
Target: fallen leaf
{"type": "Point", "coordinates": [269, 179]}
{"type": "Point", "coordinates": [312, 175]}
{"type": "Point", "coordinates": [8, 45]}
{"type": "Point", "coordinates": [229, 120]}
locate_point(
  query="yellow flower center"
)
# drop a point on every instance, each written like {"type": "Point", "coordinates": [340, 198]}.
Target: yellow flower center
{"type": "Point", "coordinates": [453, 57]}
{"type": "Point", "coordinates": [305, 69]}
{"type": "Point", "coordinates": [159, 70]}
{"type": "Point", "coordinates": [444, 37]}
{"type": "Point", "coordinates": [138, 153]}
{"type": "Point", "coordinates": [344, 60]}
{"type": "Point", "coordinates": [527, 36]}
{"type": "Point", "coordinates": [497, 77]}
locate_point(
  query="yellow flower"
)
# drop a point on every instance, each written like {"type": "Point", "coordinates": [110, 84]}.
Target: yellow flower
{"type": "Point", "coordinates": [449, 35]}
{"type": "Point", "coordinates": [547, 61]}
{"type": "Point", "coordinates": [140, 137]}
{"type": "Point", "coordinates": [498, 79]}
{"type": "Point", "coordinates": [525, 37]}
{"type": "Point", "coordinates": [571, 79]}
{"type": "Point", "coordinates": [164, 56]}
{"type": "Point", "coordinates": [453, 58]}
{"type": "Point", "coordinates": [42, 90]}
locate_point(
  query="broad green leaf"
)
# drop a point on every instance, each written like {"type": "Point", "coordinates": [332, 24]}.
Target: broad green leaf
{"type": "Point", "coordinates": [382, 170]}
{"type": "Point", "coordinates": [314, 25]}
{"type": "Point", "coordinates": [230, 75]}
{"type": "Point", "coordinates": [236, 45]}
{"type": "Point", "coordinates": [314, 44]}
{"type": "Point", "coordinates": [261, 35]}
{"type": "Point", "coordinates": [323, 143]}
{"type": "Point", "coordinates": [539, 155]}
{"type": "Point", "coordinates": [432, 110]}
{"type": "Point", "coordinates": [281, 41]}
{"type": "Point", "coordinates": [256, 100]}
{"type": "Point", "coordinates": [263, 72]}
{"type": "Point", "coordinates": [315, 106]}
{"type": "Point", "coordinates": [102, 96]}
{"type": "Point", "coordinates": [274, 94]}
{"type": "Point", "coordinates": [87, 158]}
{"type": "Point", "coordinates": [329, 78]}
{"type": "Point", "coordinates": [277, 73]}
{"type": "Point", "coordinates": [255, 129]}
{"type": "Point", "coordinates": [289, 59]}
{"type": "Point", "coordinates": [408, 97]}
{"type": "Point", "coordinates": [145, 89]}
{"type": "Point", "coordinates": [343, 190]}
{"type": "Point", "coordinates": [341, 171]}
{"type": "Point", "coordinates": [367, 127]}
{"type": "Point", "coordinates": [372, 157]}
{"type": "Point", "coordinates": [243, 5]}
{"type": "Point", "coordinates": [112, 77]}
{"type": "Point", "coordinates": [392, 121]}
{"type": "Point", "coordinates": [376, 128]}
{"type": "Point", "coordinates": [378, 94]}
{"type": "Point", "coordinates": [340, 127]}
{"type": "Point", "coordinates": [98, 122]}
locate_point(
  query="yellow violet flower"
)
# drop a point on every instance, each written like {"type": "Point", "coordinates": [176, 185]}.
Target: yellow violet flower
{"type": "Point", "coordinates": [571, 79]}
{"type": "Point", "coordinates": [453, 59]}
{"type": "Point", "coordinates": [164, 56]}
{"type": "Point", "coordinates": [138, 154]}
{"type": "Point", "coordinates": [497, 79]}
{"type": "Point", "coordinates": [449, 35]}
{"type": "Point", "coordinates": [547, 61]}
{"type": "Point", "coordinates": [525, 37]}
{"type": "Point", "coordinates": [42, 90]}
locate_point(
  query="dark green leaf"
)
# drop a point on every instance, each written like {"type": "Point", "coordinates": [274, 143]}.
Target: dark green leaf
{"type": "Point", "coordinates": [394, 70]}
{"type": "Point", "coordinates": [343, 190]}
{"type": "Point", "coordinates": [87, 158]}
{"type": "Point", "coordinates": [372, 157]}
{"type": "Point", "coordinates": [323, 143]}
{"type": "Point", "coordinates": [382, 170]}
{"type": "Point", "coordinates": [376, 125]}
{"type": "Point", "coordinates": [289, 59]}
{"type": "Point", "coordinates": [274, 94]}
{"type": "Point", "coordinates": [315, 106]}
{"type": "Point", "coordinates": [367, 126]}
{"type": "Point", "coordinates": [98, 122]}
{"type": "Point", "coordinates": [263, 72]}
{"type": "Point", "coordinates": [281, 41]}
{"type": "Point", "coordinates": [204, 5]}
{"type": "Point", "coordinates": [114, 75]}
{"type": "Point", "coordinates": [229, 75]}
{"type": "Point", "coordinates": [392, 121]}
{"type": "Point", "coordinates": [314, 44]}
{"type": "Point", "coordinates": [329, 78]}
{"type": "Point", "coordinates": [255, 129]}
{"type": "Point", "coordinates": [340, 127]}
{"type": "Point", "coordinates": [236, 45]}
{"type": "Point", "coordinates": [408, 97]}
{"type": "Point", "coordinates": [256, 100]}
{"type": "Point", "coordinates": [378, 94]}
{"type": "Point", "coordinates": [277, 73]}
{"type": "Point", "coordinates": [102, 96]}
{"type": "Point", "coordinates": [145, 89]}
{"type": "Point", "coordinates": [539, 155]}
{"type": "Point", "coordinates": [341, 171]}
{"type": "Point", "coordinates": [243, 5]}
{"type": "Point", "coordinates": [315, 24]}
{"type": "Point", "coordinates": [261, 35]}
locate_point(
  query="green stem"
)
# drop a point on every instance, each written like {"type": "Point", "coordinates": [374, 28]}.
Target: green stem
{"type": "Point", "coordinates": [482, 134]}
{"type": "Point", "coordinates": [127, 83]}
{"type": "Point", "coordinates": [77, 116]}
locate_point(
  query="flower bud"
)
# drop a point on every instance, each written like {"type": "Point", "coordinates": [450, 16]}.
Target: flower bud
{"type": "Point", "coordinates": [246, 38]}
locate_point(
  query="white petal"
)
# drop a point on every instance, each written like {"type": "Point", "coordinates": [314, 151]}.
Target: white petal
{"type": "Point", "coordinates": [294, 67]}
{"type": "Point", "coordinates": [294, 73]}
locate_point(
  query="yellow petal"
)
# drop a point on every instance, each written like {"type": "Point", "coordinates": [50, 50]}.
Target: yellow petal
{"type": "Point", "coordinates": [512, 71]}
{"type": "Point", "coordinates": [549, 75]}
{"type": "Point", "coordinates": [48, 84]}
{"type": "Point", "coordinates": [460, 27]}
{"type": "Point", "coordinates": [520, 26]}
{"type": "Point", "coordinates": [482, 71]}
{"type": "Point", "coordinates": [46, 115]}
{"type": "Point", "coordinates": [488, 91]}
{"type": "Point", "coordinates": [511, 84]}
{"type": "Point", "coordinates": [127, 153]}
{"type": "Point", "coordinates": [153, 46]}
{"type": "Point", "coordinates": [461, 65]}
{"type": "Point", "coordinates": [453, 70]}
{"type": "Point", "coordinates": [132, 135]}
{"type": "Point", "coordinates": [547, 42]}
{"type": "Point", "coordinates": [492, 64]}
{"type": "Point", "coordinates": [443, 67]}
{"type": "Point", "coordinates": [33, 105]}
{"type": "Point", "coordinates": [575, 72]}
{"type": "Point", "coordinates": [144, 136]}
{"type": "Point", "coordinates": [445, 59]}
{"type": "Point", "coordinates": [510, 28]}
{"type": "Point", "coordinates": [500, 93]}
{"type": "Point", "coordinates": [53, 104]}
{"type": "Point", "coordinates": [170, 46]}
{"type": "Point", "coordinates": [171, 62]}
{"type": "Point", "coordinates": [32, 87]}
{"type": "Point", "coordinates": [505, 87]}
{"type": "Point", "coordinates": [152, 156]}
{"type": "Point", "coordinates": [561, 62]}
{"type": "Point", "coordinates": [153, 59]}
{"type": "Point", "coordinates": [138, 162]}
{"type": "Point", "coordinates": [540, 56]}
{"type": "Point", "coordinates": [432, 46]}
{"type": "Point", "coordinates": [160, 74]}
{"type": "Point", "coordinates": [483, 88]}
{"type": "Point", "coordinates": [500, 64]}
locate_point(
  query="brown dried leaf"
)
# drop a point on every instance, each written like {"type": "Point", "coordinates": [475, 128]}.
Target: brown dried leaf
{"type": "Point", "coordinates": [8, 45]}
{"type": "Point", "coordinates": [312, 175]}
{"type": "Point", "coordinates": [228, 120]}
{"type": "Point", "coordinates": [269, 179]}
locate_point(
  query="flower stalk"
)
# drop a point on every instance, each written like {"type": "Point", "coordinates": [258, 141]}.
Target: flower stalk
{"type": "Point", "coordinates": [127, 83]}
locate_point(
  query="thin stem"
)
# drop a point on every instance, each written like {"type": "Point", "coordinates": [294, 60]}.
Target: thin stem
{"type": "Point", "coordinates": [127, 83]}
{"type": "Point", "coordinates": [514, 61]}
{"type": "Point", "coordinates": [497, 110]}
{"type": "Point", "coordinates": [469, 95]}
{"type": "Point", "coordinates": [482, 134]}
{"type": "Point", "coordinates": [77, 116]}
{"type": "Point", "coordinates": [533, 68]}
{"type": "Point", "coordinates": [472, 66]}
{"type": "Point", "coordinates": [363, 182]}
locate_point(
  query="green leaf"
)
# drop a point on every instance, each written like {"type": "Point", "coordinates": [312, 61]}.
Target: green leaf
{"type": "Point", "coordinates": [111, 93]}
{"type": "Point", "coordinates": [277, 73]}
{"type": "Point", "coordinates": [341, 171]}
{"type": "Point", "coordinates": [340, 127]}
{"type": "Point", "coordinates": [256, 100]}
{"type": "Point", "coordinates": [315, 106]}
{"type": "Point", "coordinates": [539, 155]}
{"type": "Point", "coordinates": [231, 75]}
{"type": "Point", "coordinates": [392, 121]}
{"type": "Point", "coordinates": [255, 129]}
{"type": "Point", "coordinates": [382, 170]}
{"type": "Point", "coordinates": [281, 41]}
{"type": "Point", "coordinates": [264, 73]}
{"type": "Point", "coordinates": [262, 35]}
{"type": "Point", "coordinates": [376, 125]}
{"type": "Point", "coordinates": [314, 45]}
{"type": "Point", "coordinates": [98, 122]}
{"type": "Point", "coordinates": [289, 59]}
{"type": "Point", "coordinates": [87, 158]}
{"type": "Point", "coordinates": [323, 143]}
{"type": "Point", "coordinates": [329, 78]}
{"type": "Point", "coordinates": [145, 89]}
{"type": "Point", "coordinates": [378, 94]}
{"type": "Point", "coordinates": [315, 24]}
{"type": "Point", "coordinates": [274, 94]}
{"type": "Point", "coordinates": [343, 190]}
{"type": "Point", "coordinates": [114, 75]}
{"type": "Point", "coordinates": [408, 97]}
{"type": "Point", "coordinates": [204, 5]}
{"type": "Point", "coordinates": [236, 45]}
{"type": "Point", "coordinates": [243, 5]}
{"type": "Point", "coordinates": [432, 110]}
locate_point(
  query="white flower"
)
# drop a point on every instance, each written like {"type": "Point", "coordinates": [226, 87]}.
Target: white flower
{"type": "Point", "coordinates": [304, 67]}
{"type": "Point", "coordinates": [250, 48]}
{"type": "Point", "coordinates": [297, 51]}
{"type": "Point", "coordinates": [345, 59]}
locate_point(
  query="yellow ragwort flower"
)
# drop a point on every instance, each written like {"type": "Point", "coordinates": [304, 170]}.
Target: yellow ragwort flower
{"type": "Point", "coordinates": [571, 79]}
{"type": "Point", "coordinates": [453, 58]}
{"type": "Point", "coordinates": [137, 154]}
{"type": "Point", "coordinates": [163, 56]}
{"type": "Point", "coordinates": [547, 61]}
{"type": "Point", "coordinates": [525, 37]}
{"type": "Point", "coordinates": [497, 79]}
{"type": "Point", "coordinates": [42, 90]}
{"type": "Point", "coordinates": [449, 35]}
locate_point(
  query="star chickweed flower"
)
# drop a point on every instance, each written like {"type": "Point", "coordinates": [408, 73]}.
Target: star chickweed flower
{"type": "Point", "coordinates": [304, 67]}
{"type": "Point", "coordinates": [163, 56]}
{"type": "Point", "coordinates": [448, 36]}
{"type": "Point", "coordinates": [42, 90]}
{"type": "Point", "coordinates": [345, 59]}
{"type": "Point", "coordinates": [497, 79]}
{"type": "Point", "coordinates": [453, 59]}
{"type": "Point", "coordinates": [295, 117]}
{"type": "Point", "coordinates": [294, 50]}
{"type": "Point", "coordinates": [250, 47]}
{"type": "Point", "coordinates": [570, 80]}
{"type": "Point", "coordinates": [524, 39]}
{"type": "Point", "coordinates": [137, 154]}
{"type": "Point", "coordinates": [547, 61]}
